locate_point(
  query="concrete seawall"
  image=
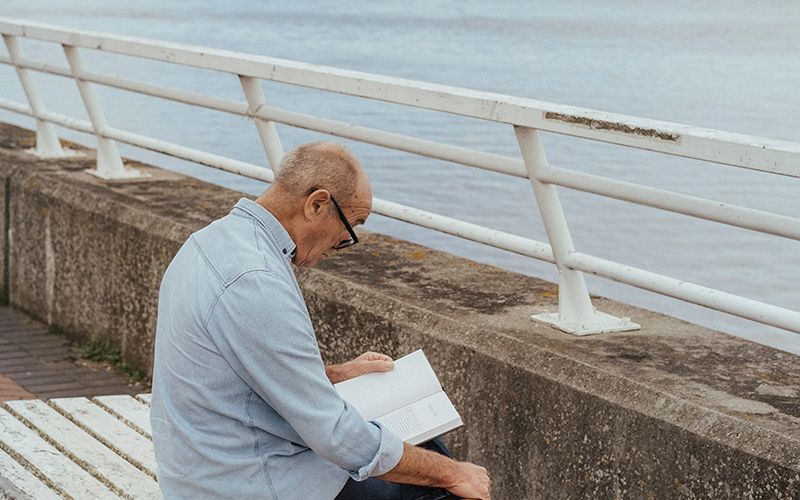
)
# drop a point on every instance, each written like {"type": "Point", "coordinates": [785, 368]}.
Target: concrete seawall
{"type": "Point", "coordinates": [671, 411]}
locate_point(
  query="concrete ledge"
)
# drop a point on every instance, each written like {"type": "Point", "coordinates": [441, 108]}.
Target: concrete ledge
{"type": "Point", "coordinates": [674, 410]}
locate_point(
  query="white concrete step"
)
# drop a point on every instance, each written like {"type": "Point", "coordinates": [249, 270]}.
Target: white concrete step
{"type": "Point", "coordinates": [78, 448]}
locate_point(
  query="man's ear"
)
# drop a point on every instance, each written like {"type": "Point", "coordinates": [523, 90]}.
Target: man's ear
{"type": "Point", "coordinates": [316, 203]}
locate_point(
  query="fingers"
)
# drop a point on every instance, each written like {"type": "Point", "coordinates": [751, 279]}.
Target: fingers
{"type": "Point", "coordinates": [375, 356]}
{"type": "Point", "coordinates": [361, 366]}
{"type": "Point", "coordinates": [378, 365]}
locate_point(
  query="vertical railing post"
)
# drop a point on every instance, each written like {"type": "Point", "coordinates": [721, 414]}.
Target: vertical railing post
{"type": "Point", "coordinates": [576, 314]}
{"type": "Point", "coordinates": [266, 128]}
{"type": "Point", "coordinates": [109, 162]}
{"type": "Point", "coordinates": [47, 143]}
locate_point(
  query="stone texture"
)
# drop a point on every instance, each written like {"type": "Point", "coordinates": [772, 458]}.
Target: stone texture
{"type": "Point", "coordinates": [673, 410]}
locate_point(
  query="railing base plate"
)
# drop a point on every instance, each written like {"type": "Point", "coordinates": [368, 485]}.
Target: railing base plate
{"type": "Point", "coordinates": [63, 153]}
{"type": "Point", "coordinates": [600, 323]}
{"type": "Point", "coordinates": [128, 173]}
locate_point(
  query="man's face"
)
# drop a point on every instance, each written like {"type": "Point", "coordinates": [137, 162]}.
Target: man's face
{"type": "Point", "coordinates": [324, 228]}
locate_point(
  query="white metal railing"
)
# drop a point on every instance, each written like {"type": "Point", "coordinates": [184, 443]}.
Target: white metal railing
{"type": "Point", "coordinates": [576, 313]}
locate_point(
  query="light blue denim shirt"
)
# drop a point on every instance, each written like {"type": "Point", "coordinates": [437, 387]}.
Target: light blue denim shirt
{"type": "Point", "coordinates": [241, 405]}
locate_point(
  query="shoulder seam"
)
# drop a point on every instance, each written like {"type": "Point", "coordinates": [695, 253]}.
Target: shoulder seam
{"type": "Point", "coordinates": [228, 285]}
{"type": "Point", "coordinates": [258, 245]}
{"type": "Point", "coordinates": [205, 258]}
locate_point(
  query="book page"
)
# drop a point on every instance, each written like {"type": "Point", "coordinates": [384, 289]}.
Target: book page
{"type": "Point", "coordinates": [376, 394]}
{"type": "Point", "coordinates": [423, 420]}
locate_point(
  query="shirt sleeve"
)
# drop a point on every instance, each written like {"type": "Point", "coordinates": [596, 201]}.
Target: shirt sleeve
{"type": "Point", "coordinates": [262, 328]}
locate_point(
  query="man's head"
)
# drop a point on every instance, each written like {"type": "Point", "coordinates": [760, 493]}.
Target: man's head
{"type": "Point", "coordinates": [313, 179]}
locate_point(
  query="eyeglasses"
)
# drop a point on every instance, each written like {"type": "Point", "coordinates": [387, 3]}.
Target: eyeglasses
{"type": "Point", "coordinates": [353, 238]}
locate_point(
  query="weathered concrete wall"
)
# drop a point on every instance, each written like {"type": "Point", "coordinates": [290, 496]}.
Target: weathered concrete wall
{"type": "Point", "coordinates": [672, 411]}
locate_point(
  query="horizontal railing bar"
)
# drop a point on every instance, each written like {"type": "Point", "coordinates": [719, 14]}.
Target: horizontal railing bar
{"type": "Point", "coordinates": [164, 92]}
{"type": "Point", "coordinates": [159, 146]}
{"type": "Point", "coordinates": [455, 227]}
{"type": "Point", "coordinates": [221, 162]}
{"type": "Point", "coordinates": [17, 108]}
{"type": "Point", "coordinates": [464, 156]}
{"type": "Point", "coordinates": [781, 157]}
{"type": "Point", "coordinates": [734, 215]}
{"type": "Point", "coordinates": [480, 234]}
{"type": "Point", "coordinates": [170, 93]}
{"type": "Point", "coordinates": [689, 292]}
{"type": "Point", "coordinates": [400, 142]}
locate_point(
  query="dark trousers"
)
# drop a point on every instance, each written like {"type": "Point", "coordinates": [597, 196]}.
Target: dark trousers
{"type": "Point", "coordinates": [375, 489]}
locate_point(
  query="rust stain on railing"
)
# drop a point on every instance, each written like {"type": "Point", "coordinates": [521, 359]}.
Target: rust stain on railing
{"type": "Point", "coordinates": [614, 126]}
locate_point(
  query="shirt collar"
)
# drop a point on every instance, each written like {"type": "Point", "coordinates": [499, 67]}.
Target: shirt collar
{"type": "Point", "coordinates": [279, 234]}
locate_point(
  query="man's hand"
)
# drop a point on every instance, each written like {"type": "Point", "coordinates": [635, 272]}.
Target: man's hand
{"type": "Point", "coordinates": [473, 482]}
{"type": "Point", "coordinates": [369, 362]}
{"type": "Point", "coordinates": [428, 468]}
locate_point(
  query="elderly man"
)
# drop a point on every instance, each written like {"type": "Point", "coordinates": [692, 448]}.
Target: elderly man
{"type": "Point", "coordinates": [243, 406]}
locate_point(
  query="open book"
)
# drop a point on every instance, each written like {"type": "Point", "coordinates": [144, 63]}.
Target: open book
{"type": "Point", "coordinates": [408, 400]}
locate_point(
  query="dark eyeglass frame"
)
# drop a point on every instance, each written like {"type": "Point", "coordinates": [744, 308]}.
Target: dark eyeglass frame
{"type": "Point", "coordinates": [353, 238]}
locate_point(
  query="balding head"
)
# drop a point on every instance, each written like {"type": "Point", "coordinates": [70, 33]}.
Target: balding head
{"type": "Point", "coordinates": [320, 165]}
{"type": "Point", "coordinates": [311, 181]}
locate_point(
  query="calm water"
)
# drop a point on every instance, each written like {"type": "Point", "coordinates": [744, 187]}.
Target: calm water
{"type": "Point", "coordinates": [732, 65]}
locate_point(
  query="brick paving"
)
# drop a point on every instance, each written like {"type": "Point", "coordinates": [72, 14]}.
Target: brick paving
{"type": "Point", "coordinates": [9, 390]}
{"type": "Point", "coordinates": [36, 364]}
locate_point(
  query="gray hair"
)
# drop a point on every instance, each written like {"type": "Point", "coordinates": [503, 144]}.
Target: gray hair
{"type": "Point", "coordinates": [319, 165]}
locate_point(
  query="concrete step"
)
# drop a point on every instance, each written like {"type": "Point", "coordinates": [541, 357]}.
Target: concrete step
{"type": "Point", "coordinates": [77, 447]}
